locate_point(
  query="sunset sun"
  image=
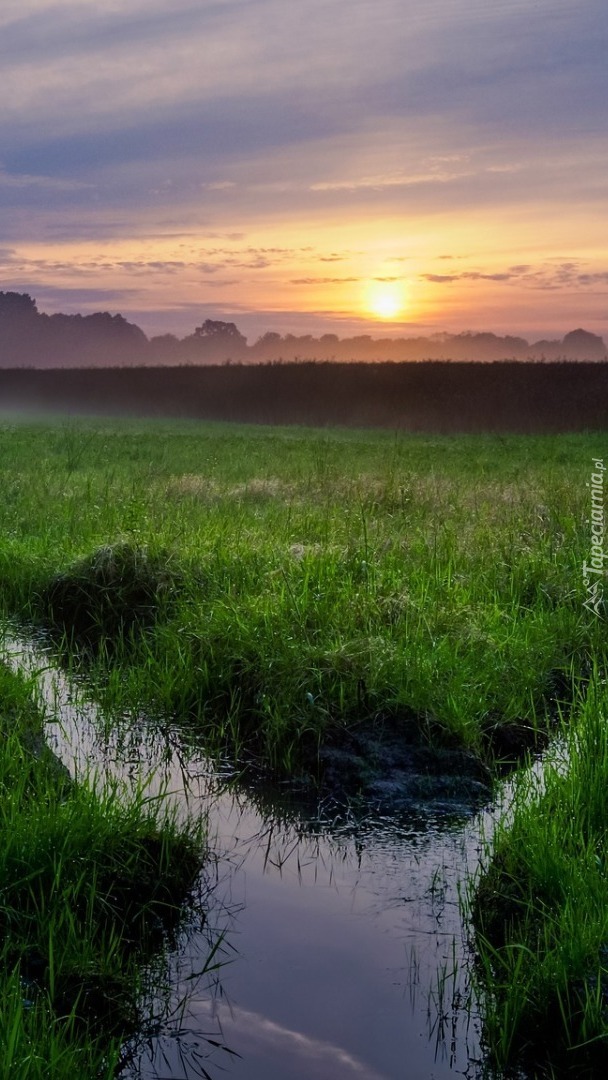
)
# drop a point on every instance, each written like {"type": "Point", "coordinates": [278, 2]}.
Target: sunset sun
{"type": "Point", "coordinates": [386, 300]}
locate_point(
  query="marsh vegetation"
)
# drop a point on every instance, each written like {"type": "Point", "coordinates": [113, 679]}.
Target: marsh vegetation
{"type": "Point", "coordinates": [368, 615]}
{"type": "Point", "coordinates": [92, 884]}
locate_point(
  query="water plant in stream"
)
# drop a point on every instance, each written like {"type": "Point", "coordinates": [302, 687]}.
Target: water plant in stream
{"type": "Point", "coordinates": [90, 886]}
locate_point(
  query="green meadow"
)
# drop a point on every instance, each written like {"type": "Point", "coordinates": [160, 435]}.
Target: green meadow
{"type": "Point", "coordinates": [294, 582]}
{"type": "Point", "coordinates": [283, 590]}
{"type": "Point", "coordinates": [90, 885]}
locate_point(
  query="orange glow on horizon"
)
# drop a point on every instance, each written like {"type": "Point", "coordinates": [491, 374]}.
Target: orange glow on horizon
{"type": "Point", "coordinates": [351, 278]}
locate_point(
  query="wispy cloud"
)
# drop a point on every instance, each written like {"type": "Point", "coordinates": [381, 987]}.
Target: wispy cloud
{"type": "Point", "coordinates": [565, 275]}
{"type": "Point", "coordinates": [323, 280]}
{"type": "Point", "coordinates": [20, 181]}
{"type": "Point", "coordinates": [378, 182]}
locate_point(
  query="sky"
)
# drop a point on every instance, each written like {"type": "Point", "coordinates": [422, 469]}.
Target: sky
{"type": "Point", "coordinates": [388, 167]}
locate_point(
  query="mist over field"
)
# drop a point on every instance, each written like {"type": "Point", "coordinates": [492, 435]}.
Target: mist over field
{"type": "Point", "coordinates": [30, 338]}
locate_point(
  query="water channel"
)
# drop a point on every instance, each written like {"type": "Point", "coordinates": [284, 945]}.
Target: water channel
{"type": "Point", "coordinates": [340, 942]}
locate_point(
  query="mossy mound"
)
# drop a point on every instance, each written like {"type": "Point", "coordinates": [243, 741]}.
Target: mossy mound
{"type": "Point", "coordinates": [119, 588]}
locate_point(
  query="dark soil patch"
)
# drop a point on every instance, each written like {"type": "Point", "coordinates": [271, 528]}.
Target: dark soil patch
{"type": "Point", "coordinates": [391, 767]}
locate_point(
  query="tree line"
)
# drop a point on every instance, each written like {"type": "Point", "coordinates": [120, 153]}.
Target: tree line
{"type": "Point", "coordinates": [30, 338]}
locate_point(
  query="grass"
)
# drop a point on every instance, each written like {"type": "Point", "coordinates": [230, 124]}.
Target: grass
{"type": "Point", "coordinates": [110, 593]}
{"type": "Point", "coordinates": [317, 580]}
{"type": "Point", "coordinates": [283, 589]}
{"type": "Point", "coordinates": [90, 886]}
{"type": "Point", "coordinates": [541, 910]}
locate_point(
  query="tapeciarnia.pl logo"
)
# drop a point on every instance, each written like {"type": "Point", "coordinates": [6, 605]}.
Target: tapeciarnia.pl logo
{"type": "Point", "coordinates": [594, 571]}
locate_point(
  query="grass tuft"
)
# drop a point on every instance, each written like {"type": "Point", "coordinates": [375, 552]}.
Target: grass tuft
{"type": "Point", "coordinates": [109, 594]}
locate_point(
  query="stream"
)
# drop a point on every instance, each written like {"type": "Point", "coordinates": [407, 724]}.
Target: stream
{"type": "Point", "coordinates": [340, 946]}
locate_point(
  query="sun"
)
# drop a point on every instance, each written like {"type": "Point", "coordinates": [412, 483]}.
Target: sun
{"type": "Point", "coordinates": [386, 300]}
{"type": "Point", "coordinates": [386, 306]}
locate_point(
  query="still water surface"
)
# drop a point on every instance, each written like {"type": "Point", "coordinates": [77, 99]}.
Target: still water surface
{"type": "Point", "coordinates": [341, 946]}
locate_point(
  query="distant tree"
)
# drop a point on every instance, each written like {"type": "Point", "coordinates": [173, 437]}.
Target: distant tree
{"type": "Point", "coordinates": [217, 331]}
{"type": "Point", "coordinates": [269, 338]}
{"type": "Point", "coordinates": [114, 328]}
{"type": "Point", "coordinates": [269, 346]}
{"type": "Point", "coordinates": [20, 329]}
{"type": "Point", "coordinates": [213, 342]}
{"type": "Point", "coordinates": [165, 348]}
{"type": "Point", "coordinates": [169, 340]}
{"type": "Point", "coordinates": [583, 345]}
{"type": "Point", "coordinates": [15, 306]}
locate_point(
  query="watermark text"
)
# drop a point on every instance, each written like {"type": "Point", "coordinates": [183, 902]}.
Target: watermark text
{"type": "Point", "coordinates": [594, 571]}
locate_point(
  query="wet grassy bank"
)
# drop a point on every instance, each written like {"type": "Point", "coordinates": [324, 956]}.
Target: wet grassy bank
{"type": "Point", "coordinates": [541, 910]}
{"type": "Point", "coordinates": [91, 885]}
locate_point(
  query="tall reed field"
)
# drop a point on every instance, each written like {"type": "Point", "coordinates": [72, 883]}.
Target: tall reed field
{"type": "Point", "coordinates": [285, 587]}
{"type": "Point", "coordinates": [91, 887]}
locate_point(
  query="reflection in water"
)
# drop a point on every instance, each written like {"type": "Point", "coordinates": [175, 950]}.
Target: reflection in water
{"type": "Point", "coordinates": [332, 944]}
{"type": "Point", "coordinates": [322, 1057]}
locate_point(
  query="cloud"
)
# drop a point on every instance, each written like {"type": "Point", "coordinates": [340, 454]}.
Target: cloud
{"type": "Point", "coordinates": [209, 261]}
{"type": "Point", "coordinates": [225, 283]}
{"type": "Point", "coordinates": [564, 275]}
{"type": "Point", "coordinates": [378, 182]}
{"type": "Point", "coordinates": [272, 74]}
{"type": "Point", "coordinates": [220, 185]}
{"type": "Point", "coordinates": [475, 275]}
{"type": "Point", "coordinates": [74, 300]}
{"type": "Point", "coordinates": [323, 280]}
{"type": "Point", "coordinates": [46, 183]}
{"type": "Point", "coordinates": [276, 121]}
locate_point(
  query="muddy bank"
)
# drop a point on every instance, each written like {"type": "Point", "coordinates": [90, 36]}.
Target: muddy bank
{"type": "Point", "coordinates": [387, 768]}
